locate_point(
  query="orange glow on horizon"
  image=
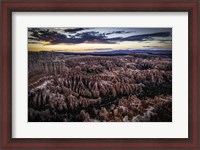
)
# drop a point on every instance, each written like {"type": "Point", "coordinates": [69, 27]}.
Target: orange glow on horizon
{"type": "Point", "coordinates": [88, 47]}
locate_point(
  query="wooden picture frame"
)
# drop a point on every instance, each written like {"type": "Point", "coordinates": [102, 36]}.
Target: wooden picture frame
{"type": "Point", "coordinates": [9, 6]}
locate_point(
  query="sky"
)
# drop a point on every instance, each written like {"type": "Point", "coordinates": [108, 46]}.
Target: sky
{"type": "Point", "coordinates": [98, 39]}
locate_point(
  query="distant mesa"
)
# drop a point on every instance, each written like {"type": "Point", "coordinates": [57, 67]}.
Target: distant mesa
{"type": "Point", "coordinates": [118, 52]}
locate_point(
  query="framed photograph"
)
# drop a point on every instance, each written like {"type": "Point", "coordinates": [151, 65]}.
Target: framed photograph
{"type": "Point", "coordinates": [100, 74]}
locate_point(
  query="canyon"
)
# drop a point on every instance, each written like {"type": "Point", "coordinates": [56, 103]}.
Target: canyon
{"type": "Point", "coordinates": [136, 87]}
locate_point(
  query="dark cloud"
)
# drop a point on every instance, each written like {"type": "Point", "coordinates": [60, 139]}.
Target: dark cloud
{"type": "Point", "coordinates": [147, 37]}
{"type": "Point", "coordinates": [33, 29]}
{"type": "Point", "coordinates": [74, 30]}
{"type": "Point", "coordinates": [93, 36]}
{"type": "Point", "coordinates": [54, 37]}
{"type": "Point", "coordinates": [46, 35]}
{"type": "Point", "coordinates": [85, 37]}
{"type": "Point", "coordinates": [120, 32]}
{"type": "Point", "coordinates": [33, 42]}
{"type": "Point", "coordinates": [165, 41]}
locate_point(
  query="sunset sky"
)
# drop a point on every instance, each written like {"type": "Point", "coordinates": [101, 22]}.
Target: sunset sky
{"type": "Point", "coordinates": [99, 39]}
